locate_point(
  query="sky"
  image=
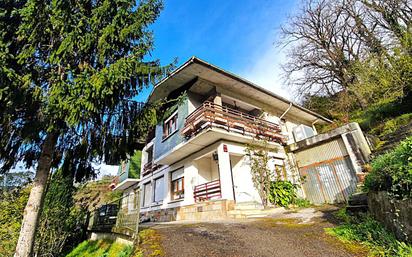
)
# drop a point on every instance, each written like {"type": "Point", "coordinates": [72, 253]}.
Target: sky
{"type": "Point", "coordinates": [237, 36]}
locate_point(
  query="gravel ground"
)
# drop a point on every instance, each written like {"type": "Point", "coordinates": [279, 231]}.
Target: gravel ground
{"type": "Point", "coordinates": [288, 234]}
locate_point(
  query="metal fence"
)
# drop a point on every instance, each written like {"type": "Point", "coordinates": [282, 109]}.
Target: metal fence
{"type": "Point", "coordinates": [116, 216]}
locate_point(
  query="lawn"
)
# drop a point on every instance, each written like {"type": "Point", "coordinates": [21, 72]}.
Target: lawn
{"type": "Point", "coordinates": [100, 248]}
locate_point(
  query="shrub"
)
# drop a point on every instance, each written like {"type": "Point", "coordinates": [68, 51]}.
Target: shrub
{"type": "Point", "coordinates": [282, 193]}
{"type": "Point", "coordinates": [392, 171]}
{"type": "Point", "coordinates": [12, 205]}
{"type": "Point", "coordinates": [370, 233]}
{"type": "Point", "coordinates": [303, 203]}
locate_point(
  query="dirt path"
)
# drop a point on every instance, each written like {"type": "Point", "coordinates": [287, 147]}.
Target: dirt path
{"type": "Point", "coordinates": [288, 234]}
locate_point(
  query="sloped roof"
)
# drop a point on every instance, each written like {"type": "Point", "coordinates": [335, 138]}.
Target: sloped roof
{"type": "Point", "coordinates": [196, 67]}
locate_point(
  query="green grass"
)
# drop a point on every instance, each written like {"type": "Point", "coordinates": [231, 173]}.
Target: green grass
{"type": "Point", "coordinates": [369, 233]}
{"type": "Point", "coordinates": [106, 248]}
{"type": "Point", "coordinates": [392, 125]}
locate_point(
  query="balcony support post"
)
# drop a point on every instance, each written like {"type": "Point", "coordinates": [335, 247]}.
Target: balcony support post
{"type": "Point", "coordinates": [218, 99]}
{"type": "Point", "coordinates": [225, 173]}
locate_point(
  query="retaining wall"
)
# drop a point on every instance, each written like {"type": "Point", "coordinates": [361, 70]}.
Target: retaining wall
{"type": "Point", "coordinates": [396, 215]}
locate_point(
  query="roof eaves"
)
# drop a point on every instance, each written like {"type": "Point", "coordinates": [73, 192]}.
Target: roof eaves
{"type": "Point", "coordinates": [197, 60]}
{"type": "Point", "coordinates": [240, 79]}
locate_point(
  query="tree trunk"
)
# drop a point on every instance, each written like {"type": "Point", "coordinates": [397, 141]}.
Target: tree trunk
{"type": "Point", "coordinates": [32, 211]}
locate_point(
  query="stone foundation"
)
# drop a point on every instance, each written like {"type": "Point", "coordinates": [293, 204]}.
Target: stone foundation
{"type": "Point", "coordinates": [118, 238]}
{"type": "Point", "coordinates": [396, 215]}
{"type": "Point", "coordinates": [162, 215]}
{"type": "Point", "coordinates": [204, 211]}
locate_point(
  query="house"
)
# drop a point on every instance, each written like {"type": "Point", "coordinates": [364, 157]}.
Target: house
{"type": "Point", "coordinates": [194, 164]}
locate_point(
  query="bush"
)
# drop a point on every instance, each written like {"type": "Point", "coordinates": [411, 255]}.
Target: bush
{"type": "Point", "coordinates": [303, 203]}
{"type": "Point", "coordinates": [392, 172]}
{"type": "Point", "coordinates": [370, 233]}
{"type": "Point", "coordinates": [12, 205]}
{"type": "Point", "coordinates": [392, 125]}
{"type": "Point", "coordinates": [282, 193]}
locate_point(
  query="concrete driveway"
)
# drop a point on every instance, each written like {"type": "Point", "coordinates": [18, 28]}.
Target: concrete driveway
{"type": "Point", "coordinates": [291, 233]}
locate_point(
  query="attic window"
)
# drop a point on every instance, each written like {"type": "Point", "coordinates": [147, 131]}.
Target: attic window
{"type": "Point", "coordinates": [170, 125]}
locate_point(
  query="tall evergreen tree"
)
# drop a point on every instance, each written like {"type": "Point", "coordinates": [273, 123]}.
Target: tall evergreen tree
{"type": "Point", "coordinates": [69, 71]}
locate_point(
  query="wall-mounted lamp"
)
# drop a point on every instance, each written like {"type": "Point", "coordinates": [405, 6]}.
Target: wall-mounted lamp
{"type": "Point", "coordinates": [215, 156]}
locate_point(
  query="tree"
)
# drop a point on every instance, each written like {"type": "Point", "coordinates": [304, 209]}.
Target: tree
{"type": "Point", "coordinates": [135, 164]}
{"type": "Point", "coordinates": [12, 204]}
{"type": "Point", "coordinates": [326, 40]}
{"type": "Point", "coordinates": [69, 73]}
{"type": "Point", "coordinates": [61, 222]}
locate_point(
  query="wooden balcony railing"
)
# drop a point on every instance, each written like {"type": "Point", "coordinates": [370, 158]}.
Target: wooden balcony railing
{"type": "Point", "coordinates": [212, 115]}
{"type": "Point", "coordinates": [207, 191]}
{"type": "Point", "coordinates": [149, 167]}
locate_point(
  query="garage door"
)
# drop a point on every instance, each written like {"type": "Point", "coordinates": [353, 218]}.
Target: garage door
{"type": "Point", "coordinates": [327, 172]}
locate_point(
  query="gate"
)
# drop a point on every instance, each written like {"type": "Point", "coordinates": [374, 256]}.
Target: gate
{"type": "Point", "coordinates": [331, 181]}
{"type": "Point", "coordinates": [328, 173]}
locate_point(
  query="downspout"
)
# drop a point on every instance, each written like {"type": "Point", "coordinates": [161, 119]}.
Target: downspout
{"type": "Point", "coordinates": [287, 110]}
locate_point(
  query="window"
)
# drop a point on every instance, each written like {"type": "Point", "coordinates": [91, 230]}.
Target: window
{"type": "Point", "coordinates": [158, 189]}
{"type": "Point", "coordinates": [170, 125]}
{"type": "Point", "coordinates": [147, 190]}
{"type": "Point", "coordinates": [178, 184]}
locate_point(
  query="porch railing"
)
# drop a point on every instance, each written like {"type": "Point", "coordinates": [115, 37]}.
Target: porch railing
{"type": "Point", "coordinates": [208, 191]}
{"type": "Point", "coordinates": [213, 115]}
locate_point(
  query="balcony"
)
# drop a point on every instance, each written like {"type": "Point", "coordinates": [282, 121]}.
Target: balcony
{"type": "Point", "coordinates": [149, 168]}
{"type": "Point", "coordinates": [207, 191]}
{"type": "Point", "coordinates": [210, 115]}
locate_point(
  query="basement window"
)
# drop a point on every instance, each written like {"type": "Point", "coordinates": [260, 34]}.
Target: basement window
{"type": "Point", "coordinates": [170, 125]}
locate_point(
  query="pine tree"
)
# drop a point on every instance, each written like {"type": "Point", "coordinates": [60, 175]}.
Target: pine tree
{"type": "Point", "coordinates": [69, 74]}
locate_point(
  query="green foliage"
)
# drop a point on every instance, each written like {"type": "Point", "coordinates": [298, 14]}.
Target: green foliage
{"type": "Point", "coordinates": [392, 125]}
{"type": "Point", "coordinates": [100, 248]}
{"type": "Point", "coordinates": [12, 205]}
{"type": "Point", "coordinates": [92, 194]}
{"type": "Point", "coordinates": [282, 193]}
{"type": "Point", "coordinates": [135, 164]}
{"type": "Point", "coordinates": [72, 72]}
{"type": "Point", "coordinates": [302, 203]}
{"type": "Point", "coordinates": [370, 233]}
{"type": "Point", "coordinates": [392, 171]}
{"type": "Point", "coordinates": [61, 226]}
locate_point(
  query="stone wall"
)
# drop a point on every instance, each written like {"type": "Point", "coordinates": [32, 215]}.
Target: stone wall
{"type": "Point", "coordinates": [162, 215]}
{"type": "Point", "coordinates": [209, 210]}
{"type": "Point", "coordinates": [396, 215]}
